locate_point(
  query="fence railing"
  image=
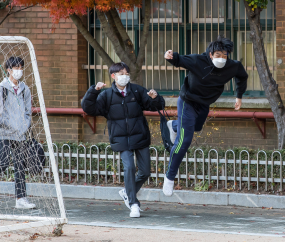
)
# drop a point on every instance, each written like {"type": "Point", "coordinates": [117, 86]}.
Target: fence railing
{"type": "Point", "coordinates": [261, 172]}
{"type": "Point", "coordinates": [235, 170]}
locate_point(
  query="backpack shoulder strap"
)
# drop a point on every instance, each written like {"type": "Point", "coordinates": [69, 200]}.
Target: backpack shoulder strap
{"type": "Point", "coordinates": [23, 93]}
{"type": "Point", "coordinates": [4, 94]}
{"type": "Point", "coordinates": [109, 93]}
{"type": "Point", "coordinates": [109, 96]}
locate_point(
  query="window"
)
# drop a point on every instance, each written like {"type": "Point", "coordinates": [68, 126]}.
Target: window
{"type": "Point", "coordinates": [188, 27]}
{"type": "Point", "coordinates": [214, 10]}
{"type": "Point", "coordinates": [167, 12]}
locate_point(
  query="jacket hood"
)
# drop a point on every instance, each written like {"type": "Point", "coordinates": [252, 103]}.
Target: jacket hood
{"type": "Point", "coordinates": [7, 84]}
{"type": "Point", "coordinates": [207, 53]}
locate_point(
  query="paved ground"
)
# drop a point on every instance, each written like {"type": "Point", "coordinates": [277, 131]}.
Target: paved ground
{"type": "Point", "coordinates": [108, 221]}
{"type": "Point", "coordinates": [184, 217]}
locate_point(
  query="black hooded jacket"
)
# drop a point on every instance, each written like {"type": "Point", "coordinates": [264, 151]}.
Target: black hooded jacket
{"type": "Point", "coordinates": [205, 83]}
{"type": "Point", "coordinates": [127, 126]}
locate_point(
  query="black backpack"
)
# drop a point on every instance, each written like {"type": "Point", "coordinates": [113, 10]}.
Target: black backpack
{"type": "Point", "coordinates": [165, 135]}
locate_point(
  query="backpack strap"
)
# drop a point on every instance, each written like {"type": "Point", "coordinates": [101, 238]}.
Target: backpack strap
{"type": "Point", "coordinates": [109, 95]}
{"type": "Point", "coordinates": [23, 94]}
{"type": "Point", "coordinates": [4, 94]}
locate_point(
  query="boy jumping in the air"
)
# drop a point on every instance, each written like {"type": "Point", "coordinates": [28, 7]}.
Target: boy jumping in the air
{"type": "Point", "coordinates": [207, 75]}
{"type": "Point", "coordinates": [122, 105]}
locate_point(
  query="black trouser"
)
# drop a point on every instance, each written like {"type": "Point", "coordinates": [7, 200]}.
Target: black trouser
{"type": "Point", "coordinates": [18, 150]}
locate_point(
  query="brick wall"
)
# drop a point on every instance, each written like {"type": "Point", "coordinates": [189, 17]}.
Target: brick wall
{"type": "Point", "coordinates": [226, 133]}
{"type": "Point", "coordinates": [280, 45]}
{"type": "Point", "coordinates": [60, 56]}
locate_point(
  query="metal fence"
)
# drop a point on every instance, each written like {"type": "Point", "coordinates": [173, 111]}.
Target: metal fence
{"type": "Point", "coordinates": [185, 26]}
{"type": "Point", "coordinates": [262, 172]}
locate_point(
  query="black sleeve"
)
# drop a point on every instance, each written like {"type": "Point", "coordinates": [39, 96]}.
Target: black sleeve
{"type": "Point", "coordinates": [150, 104]}
{"type": "Point", "coordinates": [241, 81]}
{"type": "Point", "coordinates": [185, 61]}
{"type": "Point", "coordinates": [94, 102]}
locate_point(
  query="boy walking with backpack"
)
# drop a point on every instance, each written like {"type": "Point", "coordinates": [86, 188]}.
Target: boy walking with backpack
{"type": "Point", "coordinates": [122, 105]}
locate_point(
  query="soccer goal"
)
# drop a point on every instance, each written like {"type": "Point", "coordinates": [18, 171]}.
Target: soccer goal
{"type": "Point", "coordinates": [30, 193]}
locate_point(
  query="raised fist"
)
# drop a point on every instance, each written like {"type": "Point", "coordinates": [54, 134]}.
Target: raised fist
{"type": "Point", "coordinates": [152, 93]}
{"type": "Point", "coordinates": [100, 85]}
{"type": "Point", "coordinates": [168, 55]}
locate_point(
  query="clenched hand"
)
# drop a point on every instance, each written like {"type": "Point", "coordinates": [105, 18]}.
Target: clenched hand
{"type": "Point", "coordinates": [100, 85]}
{"type": "Point", "coordinates": [238, 104]}
{"type": "Point", "coordinates": [152, 93]}
{"type": "Point", "coordinates": [168, 55]}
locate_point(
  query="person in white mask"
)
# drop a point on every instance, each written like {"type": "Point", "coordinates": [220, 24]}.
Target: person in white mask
{"type": "Point", "coordinates": [122, 105]}
{"type": "Point", "coordinates": [207, 75]}
{"type": "Point", "coordinates": [15, 120]}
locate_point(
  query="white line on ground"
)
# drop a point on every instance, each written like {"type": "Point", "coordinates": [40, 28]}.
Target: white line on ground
{"type": "Point", "coordinates": [106, 224]}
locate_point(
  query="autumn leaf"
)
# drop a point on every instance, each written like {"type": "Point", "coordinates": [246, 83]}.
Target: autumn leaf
{"type": "Point", "coordinates": [34, 236]}
{"type": "Point", "coordinates": [62, 9]}
{"type": "Point", "coordinates": [178, 187]}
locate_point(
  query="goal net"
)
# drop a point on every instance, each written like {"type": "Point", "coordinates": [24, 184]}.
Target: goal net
{"type": "Point", "coordinates": [30, 194]}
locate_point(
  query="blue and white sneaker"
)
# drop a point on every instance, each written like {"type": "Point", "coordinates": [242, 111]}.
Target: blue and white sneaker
{"type": "Point", "coordinates": [124, 196]}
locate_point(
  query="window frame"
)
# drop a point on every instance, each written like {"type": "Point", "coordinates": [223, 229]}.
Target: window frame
{"type": "Point", "coordinates": [234, 25]}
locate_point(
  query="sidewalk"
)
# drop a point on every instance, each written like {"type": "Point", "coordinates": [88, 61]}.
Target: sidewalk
{"type": "Point", "coordinates": [109, 221]}
{"type": "Point", "coordinates": [80, 233]}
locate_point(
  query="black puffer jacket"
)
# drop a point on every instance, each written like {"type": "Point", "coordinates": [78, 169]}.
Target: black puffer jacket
{"type": "Point", "coordinates": [127, 126]}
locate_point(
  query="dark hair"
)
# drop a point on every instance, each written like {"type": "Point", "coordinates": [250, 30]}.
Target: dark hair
{"type": "Point", "coordinates": [118, 67]}
{"type": "Point", "coordinates": [14, 62]}
{"type": "Point", "coordinates": [221, 44]}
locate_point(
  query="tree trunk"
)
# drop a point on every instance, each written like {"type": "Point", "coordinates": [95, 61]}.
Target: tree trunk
{"type": "Point", "coordinates": [269, 84]}
{"type": "Point", "coordinates": [93, 42]}
{"type": "Point", "coordinates": [124, 48]}
{"type": "Point", "coordinates": [136, 76]}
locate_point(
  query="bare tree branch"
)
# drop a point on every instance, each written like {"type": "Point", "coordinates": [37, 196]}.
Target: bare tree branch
{"type": "Point", "coordinates": [145, 32]}
{"type": "Point", "coordinates": [114, 28]}
{"type": "Point", "coordinates": [115, 41]}
{"type": "Point", "coordinates": [10, 12]}
{"type": "Point", "coordinates": [93, 42]}
{"type": "Point", "coordinates": [126, 39]}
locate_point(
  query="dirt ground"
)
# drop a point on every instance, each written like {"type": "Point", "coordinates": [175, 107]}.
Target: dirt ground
{"type": "Point", "coordinates": [81, 233]}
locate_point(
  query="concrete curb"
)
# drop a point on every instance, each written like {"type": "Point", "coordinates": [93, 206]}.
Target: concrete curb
{"type": "Point", "coordinates": [147, 194]}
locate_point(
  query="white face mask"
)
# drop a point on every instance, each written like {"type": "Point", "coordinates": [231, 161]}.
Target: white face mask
{"type": "Point", "coordinates": [17, 74]}
{"type": "Point", "coordinates": [123, 80]}
{"type": "Point", "coordinates": [219, 62]}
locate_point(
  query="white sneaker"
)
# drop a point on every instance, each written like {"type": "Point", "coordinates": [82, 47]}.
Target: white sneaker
{"type": "Point", "coordinates": [135, 211]}
{"type": "Point", "coordinates": [173, 134]}
{"type": "Point", "coordinates": [124, 196]}
{"type": "Point", "coordinates": [24, 203]}
{"type": "Point", "coordinates": [168, 187]}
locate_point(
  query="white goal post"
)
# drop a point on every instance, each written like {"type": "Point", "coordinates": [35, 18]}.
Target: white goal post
{"type": "Point", "coordinates": [36, 221]}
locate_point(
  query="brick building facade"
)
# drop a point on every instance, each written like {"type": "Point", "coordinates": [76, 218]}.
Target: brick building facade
{"type": "Point", "coordinates": [62, 54]}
